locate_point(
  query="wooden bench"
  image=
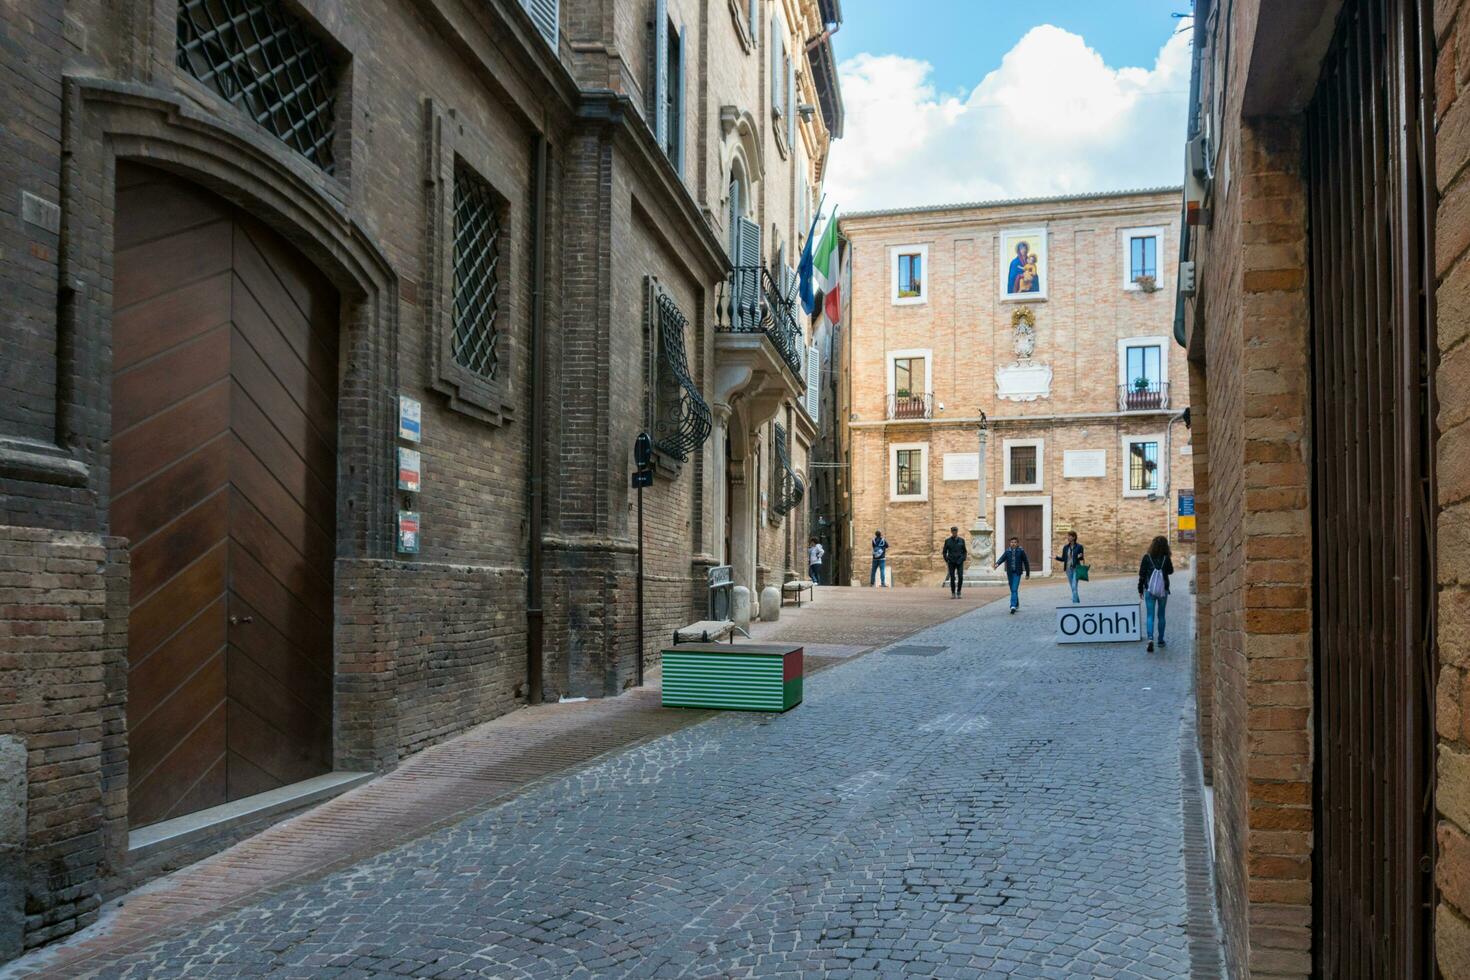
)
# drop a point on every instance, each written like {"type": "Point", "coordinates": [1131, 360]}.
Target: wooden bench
{"type": "Point", "coordinates": [708, 631]}
{"type": "Point", "coordinates": [795, 589]}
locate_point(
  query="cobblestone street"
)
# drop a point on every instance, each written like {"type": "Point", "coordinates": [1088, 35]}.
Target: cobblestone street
{"type": "Point", "coordinates": [973, 801]}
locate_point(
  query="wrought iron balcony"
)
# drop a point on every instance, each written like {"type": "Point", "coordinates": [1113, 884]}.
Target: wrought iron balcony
{"type": "Point", "coordinates": [908, 406]}
{"type": "Point", "coordinates": [752, 300]}
{"type": "Point", "coordinates": [1150, 397]}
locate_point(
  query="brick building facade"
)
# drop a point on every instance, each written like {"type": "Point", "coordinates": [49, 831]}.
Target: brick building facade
{"type": "Point", "coordinates": [1326, 340]}
{"type": "Point", "coordinates": [1081, 387]}
{"type": "Point", "coordinates": [222, 568]}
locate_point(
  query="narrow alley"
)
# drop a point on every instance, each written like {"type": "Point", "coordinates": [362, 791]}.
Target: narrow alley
{"type": "Point", "coordinates": [971, 800]}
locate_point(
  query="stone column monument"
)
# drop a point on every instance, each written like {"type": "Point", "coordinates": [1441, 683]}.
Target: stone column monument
{"type": "Point", "coordinates": [981, 570]}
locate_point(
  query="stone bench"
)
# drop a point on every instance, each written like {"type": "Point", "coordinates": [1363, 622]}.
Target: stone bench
{"type": "Point", "coordinates": [708, 631]}
{"type": "Point", "coordinates": [795, 589]}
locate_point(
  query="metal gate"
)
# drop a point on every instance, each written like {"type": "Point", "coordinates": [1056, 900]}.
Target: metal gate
{"type": "Point", "coordinates": [1369, 171]}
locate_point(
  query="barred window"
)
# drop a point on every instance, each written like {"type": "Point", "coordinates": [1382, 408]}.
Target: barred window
{"type": "Point", "coordinates": [477, 234]}
{"type": "Point", "coordinates": [681, 417]}
{"type": "Point", "coordinates": [1143, 465]}
{"type": "Point", "coordinates": [789, 487]}
{"type": "Point", "coordinates": [265, 61]}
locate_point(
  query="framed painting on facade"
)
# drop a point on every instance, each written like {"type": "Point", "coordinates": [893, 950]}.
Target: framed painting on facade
{"type": "Point", "coordinates": [1024, 275]}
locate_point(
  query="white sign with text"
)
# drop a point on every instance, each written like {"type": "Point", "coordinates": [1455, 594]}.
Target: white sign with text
{"type": "Point", "coordinates": [1114, 623]}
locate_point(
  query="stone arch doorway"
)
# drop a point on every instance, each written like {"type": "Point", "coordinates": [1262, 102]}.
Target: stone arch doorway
{"type": "Point", "coordinates": [223, 479]}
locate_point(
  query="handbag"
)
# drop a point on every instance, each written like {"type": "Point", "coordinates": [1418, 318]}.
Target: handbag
{"type": "Point", "coordinates": [1081, 571]}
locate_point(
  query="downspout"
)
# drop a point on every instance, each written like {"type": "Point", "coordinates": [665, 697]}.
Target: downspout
{"type": "Point", "coordinates": [535, 617]}
{"type": "Point", "coordinates": [1184, 233]}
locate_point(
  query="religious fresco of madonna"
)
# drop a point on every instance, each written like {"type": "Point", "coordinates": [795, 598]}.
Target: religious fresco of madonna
{"type": "Point", "coordinates": [1023, 270]}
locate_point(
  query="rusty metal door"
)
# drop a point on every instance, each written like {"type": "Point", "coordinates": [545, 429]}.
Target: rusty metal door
{"type": "Point", "coordinates": [1368, 159]}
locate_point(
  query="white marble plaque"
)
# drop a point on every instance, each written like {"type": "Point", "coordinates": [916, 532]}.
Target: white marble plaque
{"type": "Point", "coordinates": [1079, 463]}
{"type": "Point", "coordinates": [1023, 382]}
{"type": "Point", "coordinates": [962, 466]}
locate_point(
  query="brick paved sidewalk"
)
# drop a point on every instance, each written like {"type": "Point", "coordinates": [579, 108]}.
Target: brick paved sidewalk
{"type": "Point", "coordinates": [458, 778]}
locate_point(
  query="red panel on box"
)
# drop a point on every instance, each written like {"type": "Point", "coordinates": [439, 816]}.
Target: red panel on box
{"type": "Point", "coordinates": [791, 665]}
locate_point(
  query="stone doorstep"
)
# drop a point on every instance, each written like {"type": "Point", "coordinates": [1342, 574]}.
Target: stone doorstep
{"type": "Point", "coordinates": [148, 841]}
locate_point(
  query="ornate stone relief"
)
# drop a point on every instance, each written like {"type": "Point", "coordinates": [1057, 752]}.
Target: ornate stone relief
{"type": "Point", "coordinates": [1025, 380]}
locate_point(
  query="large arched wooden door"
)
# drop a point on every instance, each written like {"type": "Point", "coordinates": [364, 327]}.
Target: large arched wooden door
{"type": "Point", "coordinates": [223, 480]}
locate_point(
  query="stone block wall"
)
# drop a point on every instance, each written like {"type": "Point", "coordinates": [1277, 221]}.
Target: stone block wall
{"type": "Point", "coordinates": [1452, 381]}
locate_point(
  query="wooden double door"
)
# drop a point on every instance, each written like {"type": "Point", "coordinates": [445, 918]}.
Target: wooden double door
{"type": "Point", "coordinates": [224, 449]}
{"type": "Point", "coordinates": [1024, 521]}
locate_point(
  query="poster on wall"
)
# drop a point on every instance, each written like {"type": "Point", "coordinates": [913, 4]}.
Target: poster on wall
{"type": "Point", "coordinates": [410, 469]}
{"type": "Point", "coordinates": [408, 531]}
{"type": "Point", "coordinates": [1186, 515]}
{"type": "Point", "coordinates": [410, 419]}
{"type": "Point", "coordinates": [1024, 275]}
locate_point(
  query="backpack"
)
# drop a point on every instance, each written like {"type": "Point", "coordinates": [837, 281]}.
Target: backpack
{"type": "Point", "coordinates": [1157, 587]}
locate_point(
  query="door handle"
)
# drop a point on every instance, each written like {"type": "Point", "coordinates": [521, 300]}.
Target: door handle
{"type": "Point", "coordinates": [238, 620]}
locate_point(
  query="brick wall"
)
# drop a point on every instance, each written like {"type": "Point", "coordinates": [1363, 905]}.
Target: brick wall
{"type": "Point", "coordinates": [60, 659]}
{"type": "Point", "coordinates": [1452, 268]}
{"type": "Point", "coordinates": [1204, 660]}
{"type": "Point", "coordinates": [969, 333]}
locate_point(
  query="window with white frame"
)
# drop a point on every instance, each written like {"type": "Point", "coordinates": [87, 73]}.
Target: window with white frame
{"type": "Point", "coordinates": [1024, 464]}
{"type": "Point", "coordinates": [1142, 251]}
{"type": "Point", "coordinates": [910, 274]}
{"type": "Point", "coordinates": [910, 383]}
{"type": "Point", "coordinates": [1142, 457]}
{"type": "Point", "coordinates": [908, 471]}
{"type": "Point", "coordinates": [666, 107]}
{"type": "Point", "coordinates": [1143, 373]}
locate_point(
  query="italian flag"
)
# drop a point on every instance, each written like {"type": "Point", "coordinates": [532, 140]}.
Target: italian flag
{"type": "Point", "coordinates": [824, 264]}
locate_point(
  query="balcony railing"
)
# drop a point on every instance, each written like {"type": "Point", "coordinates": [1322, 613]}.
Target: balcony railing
{"type": "Point", "coordinates": [1151, 397]}
{"type": "Point", "coordinates": [751, 300]}
{"type": "Point", "coordinates": [911, 406]}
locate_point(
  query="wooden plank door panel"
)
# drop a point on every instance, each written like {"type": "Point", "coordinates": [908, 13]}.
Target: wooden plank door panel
{"type": "Point", "coordinates": [1024, 522]}
{"type": "Point", "coordinates": [224, 482]}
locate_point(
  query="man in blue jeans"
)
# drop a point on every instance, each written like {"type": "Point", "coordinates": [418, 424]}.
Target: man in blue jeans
{"type": "Point", "coordinates": [879, 574]}
{"type": "Point", "coordinates": [1015, 560]}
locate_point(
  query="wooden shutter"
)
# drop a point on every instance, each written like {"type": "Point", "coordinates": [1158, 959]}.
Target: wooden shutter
{"type": "Point", "coordinates": [659, 116]}
{"type": "Point", "coordinates": [813, 381]}
{"type": "Point", "coordinates": [791, 103]}
{"type": "Point", "coordinates": [778, 50]}
{"type": "Point", "coordinates": [679, 127]}
{"type": "Point", "coordinates": [545, 14]}
{"type": "Point", "coordinates": [747, 283]}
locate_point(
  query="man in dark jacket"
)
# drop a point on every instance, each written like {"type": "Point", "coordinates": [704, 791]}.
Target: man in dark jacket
{"type": "Point", "coordinates": [955, 554]}
{"type": "Point", "coordinates": [1015, 560]}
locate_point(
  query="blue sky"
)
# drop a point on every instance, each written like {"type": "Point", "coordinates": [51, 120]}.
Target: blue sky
{"type": "Point", "coordinates": [952, 100]}
{"type": "Point", "coordinates": [957, 36]}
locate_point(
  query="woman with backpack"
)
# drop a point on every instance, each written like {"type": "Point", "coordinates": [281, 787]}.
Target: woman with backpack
{"type": "Point", "coordinates": [1153, 585]}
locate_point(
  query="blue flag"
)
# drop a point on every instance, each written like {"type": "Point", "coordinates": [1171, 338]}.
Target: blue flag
{"type": "Point", "coordinates": [806, 289]}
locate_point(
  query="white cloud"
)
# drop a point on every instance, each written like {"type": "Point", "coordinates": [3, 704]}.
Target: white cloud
{"type": "Point", "coordinates": [1052, 119]}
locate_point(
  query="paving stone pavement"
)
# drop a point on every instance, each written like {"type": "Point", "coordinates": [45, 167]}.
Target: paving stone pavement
{"type": "Point", "coordinates": [1001, 807]}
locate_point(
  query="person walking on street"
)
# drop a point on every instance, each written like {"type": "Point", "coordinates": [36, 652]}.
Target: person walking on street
{"type": "Point", "coordinates": [1153, 585]}
{"type": "Point", "coordinates": [879, 574]}
{"type": "Point", "coordinates": [814, 556]}
{"type": "Point", "coordinates": [955, 554]}
{"type": "Point", "coordinates": [1071, 559]}
{"type": "Point", "coordinates": [1015, 560]}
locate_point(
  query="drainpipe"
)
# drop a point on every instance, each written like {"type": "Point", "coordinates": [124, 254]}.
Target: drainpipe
{"type": "Point", "coordinates": [535, 618]}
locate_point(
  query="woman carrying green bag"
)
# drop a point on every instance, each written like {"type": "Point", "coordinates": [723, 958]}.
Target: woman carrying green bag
{"type": "Point", "coordinates": [1071, 559]}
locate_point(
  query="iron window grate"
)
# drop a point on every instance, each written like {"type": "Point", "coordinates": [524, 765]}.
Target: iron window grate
{"type": "Point", "coordinates": [684, 421]}
{"type": "Point", "coordinates": [477, 233]}
{"type": "Point", "coordinates": [789, 487]}
{"type": "Point", "coordinates": [265, 62]}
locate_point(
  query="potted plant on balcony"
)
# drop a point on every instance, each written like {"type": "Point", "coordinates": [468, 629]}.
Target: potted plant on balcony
{"type": "Point", "coordinates": [1145, 394]}
{"type": "Point", "coordinates": [1146, 283]}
